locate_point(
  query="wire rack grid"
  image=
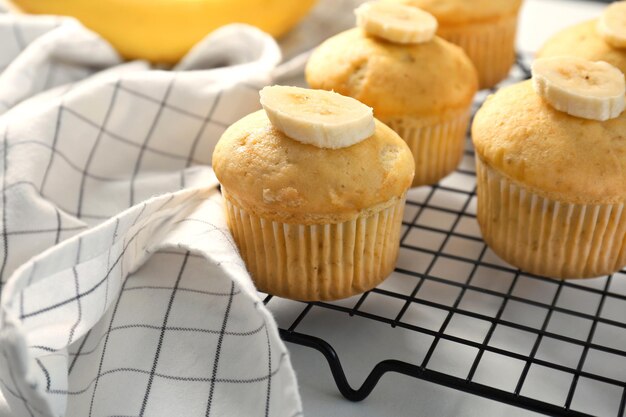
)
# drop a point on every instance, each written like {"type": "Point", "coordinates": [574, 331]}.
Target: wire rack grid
{"type": "Point", "coordinates": [562, 343]}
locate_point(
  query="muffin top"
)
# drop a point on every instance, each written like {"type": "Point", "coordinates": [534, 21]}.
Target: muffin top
{"type": "Point", "coordinates": [558, 156]}
{"type": "Point", "coordinates": [584, 41]}
{"type": "Point", "coordinates": [456, 12]}
{"type": "Point", "coordinates": [276, 177]}
{"type": "Point", "coordinates": [426, 79]}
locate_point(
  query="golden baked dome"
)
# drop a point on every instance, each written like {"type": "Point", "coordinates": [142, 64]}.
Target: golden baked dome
{"type": "Point", "coordinates": [584, 41]}
{"type": "Point", "coordinates": [278, 178]}
{"type": "Point", "coordinates": [557, 156]}
{"type": "Point", "coordinates": [427, 79]}
{"type": "Point", "coordinates": [464, 11]}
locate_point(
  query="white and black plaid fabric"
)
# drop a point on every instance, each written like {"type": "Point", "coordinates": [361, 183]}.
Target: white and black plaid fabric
{"type": "Point", "coordinates": [122, 292]}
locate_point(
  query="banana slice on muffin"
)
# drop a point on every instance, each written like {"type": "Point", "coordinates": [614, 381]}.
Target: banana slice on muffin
{"type": "Point", "coordinates": [321, 118]}
{"type": "Point", "coordinates": [591, 90]}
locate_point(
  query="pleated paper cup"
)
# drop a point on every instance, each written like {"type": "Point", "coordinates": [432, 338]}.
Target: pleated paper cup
{"type": "Point", "coordinates": [437, 147]}
{"type": "Point", "coordinates": [548, 237]}
{"type": "Point", "coordinates": [320, 261]}
{"type": "Point", "coordinates": [490, 46]}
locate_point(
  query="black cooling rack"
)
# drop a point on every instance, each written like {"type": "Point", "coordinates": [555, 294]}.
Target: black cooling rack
{"type": "Point", "coordinates": [452, 290]}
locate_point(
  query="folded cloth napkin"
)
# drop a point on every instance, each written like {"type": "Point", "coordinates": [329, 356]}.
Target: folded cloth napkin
{"type": "Point", "coordinates": [122, 292]}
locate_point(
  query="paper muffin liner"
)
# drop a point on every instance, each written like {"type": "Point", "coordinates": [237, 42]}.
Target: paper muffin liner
{"type": "Point", "coordinates": [437, 148]}
{"type": "Point", "coordinates": [548, 237]}
{"type": "Point", "coordinates": [490, 46]}
{"type": "Point", "coordinates": [318, 262]}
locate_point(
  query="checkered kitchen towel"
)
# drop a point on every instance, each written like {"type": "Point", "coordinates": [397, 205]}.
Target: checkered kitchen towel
{"type": "Point", "coordinates": [121, 290]}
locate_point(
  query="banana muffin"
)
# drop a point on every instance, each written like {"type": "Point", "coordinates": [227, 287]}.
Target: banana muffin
{"type": "Point", "coordinates": [314, 189]}
{"type": "Point", "coordinates": [418, 84]}
{"type": "Point", "coordinates": [485, 29]}
{"type": "Point", "coordinates": [602, 39]}
{"type": "Point", "coordinates": [551, 158]}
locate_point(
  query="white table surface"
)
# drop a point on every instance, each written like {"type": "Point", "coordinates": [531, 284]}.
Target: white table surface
{"type": "Point", "coordinates": [397, 395]}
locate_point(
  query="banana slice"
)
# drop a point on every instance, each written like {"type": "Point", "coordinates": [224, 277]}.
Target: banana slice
{"type": "Point", "coordinates": [317, 117]}
{"type": "Point", "coordinates": [396, 22]}
{"type": "Point", "coordinates": [582, 88]}
{"type": "Point", "coordinates": [612, 24]}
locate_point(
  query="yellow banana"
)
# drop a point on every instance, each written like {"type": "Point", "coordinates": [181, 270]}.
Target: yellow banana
{"type": "Point", "coordinates": [163, 31]}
